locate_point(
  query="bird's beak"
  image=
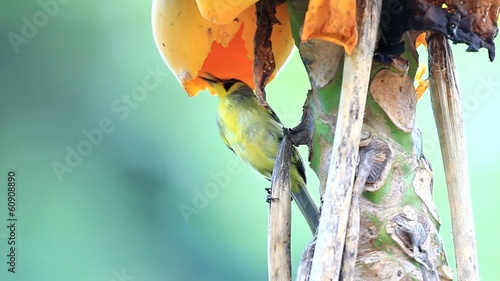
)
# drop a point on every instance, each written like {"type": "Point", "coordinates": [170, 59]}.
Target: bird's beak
{"type": "Point", "coordinates": [210, 79]}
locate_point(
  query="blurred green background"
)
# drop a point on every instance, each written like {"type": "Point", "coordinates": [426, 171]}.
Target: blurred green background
{"type": "Point", "coordinates": [115, 215]}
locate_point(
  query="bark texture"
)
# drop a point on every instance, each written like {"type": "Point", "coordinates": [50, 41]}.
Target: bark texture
{"type": "Point", "coordinates": [398, 234]}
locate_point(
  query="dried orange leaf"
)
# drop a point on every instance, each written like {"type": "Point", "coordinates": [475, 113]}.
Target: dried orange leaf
{"type": "Point", "coordinates": [421, 40]}
{"type": "Point", "coordinates": [332, 20]}
{"type": "Point", "coordinates": [422, 85]}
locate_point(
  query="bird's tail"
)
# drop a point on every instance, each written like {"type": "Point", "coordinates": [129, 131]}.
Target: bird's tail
{"type": "Point", "coordinates": [307, 206]}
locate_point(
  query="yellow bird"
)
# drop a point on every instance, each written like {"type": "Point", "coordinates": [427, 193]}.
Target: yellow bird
{"type": "Point", "coordinates": [254, 133]}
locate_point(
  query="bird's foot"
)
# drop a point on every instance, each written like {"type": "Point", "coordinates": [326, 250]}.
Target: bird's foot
{"type": "Point", "coordinates": [269, 198]}
{"type": "Point", "coordinates": [287, 131]}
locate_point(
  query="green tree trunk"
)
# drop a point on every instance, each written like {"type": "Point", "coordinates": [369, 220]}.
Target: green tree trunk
{"type": "Point", "coordinates": [399, 225]}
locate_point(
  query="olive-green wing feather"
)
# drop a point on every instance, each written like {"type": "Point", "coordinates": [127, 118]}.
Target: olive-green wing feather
{"type": "Point", "coordinates": [223, 136]}
{"type": "Point", "coordinates": [296, 160]}
{"type": "Point", "coordinates": [300, 193]}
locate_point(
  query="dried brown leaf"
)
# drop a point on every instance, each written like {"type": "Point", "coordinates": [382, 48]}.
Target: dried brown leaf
{"type": "Point", "coordinates": [264, 64]}
{"type": "Point", "coordinates": [472, 22]}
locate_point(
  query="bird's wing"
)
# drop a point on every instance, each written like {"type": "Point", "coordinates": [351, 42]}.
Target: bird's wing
{"type": "Point", "coordinates": [223, 136]}
{"type": "Point", "coordinates": [296, 159]}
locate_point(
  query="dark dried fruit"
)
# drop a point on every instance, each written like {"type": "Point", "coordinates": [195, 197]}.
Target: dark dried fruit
{"type": "Point", "coordinates": [470, 22]}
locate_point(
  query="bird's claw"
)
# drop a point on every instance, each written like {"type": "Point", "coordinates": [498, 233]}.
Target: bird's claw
{"type": "Point", "coordinates": [287, 131]}
{"type": "Point", "coordinates": [270, 199]}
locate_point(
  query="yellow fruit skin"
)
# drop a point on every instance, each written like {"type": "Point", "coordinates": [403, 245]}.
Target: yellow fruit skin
{"type": "Point", "coordinates": [222, 11]}
{"type": "Point", "coordinates": [185, 39]}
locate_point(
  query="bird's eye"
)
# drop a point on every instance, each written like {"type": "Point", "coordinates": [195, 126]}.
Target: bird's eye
{"type": "Point", "coordinates": [228, 85]}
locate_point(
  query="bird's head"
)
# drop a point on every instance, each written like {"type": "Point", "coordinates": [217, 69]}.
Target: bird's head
{"type": "Point", "coordinates": [227, 87]}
